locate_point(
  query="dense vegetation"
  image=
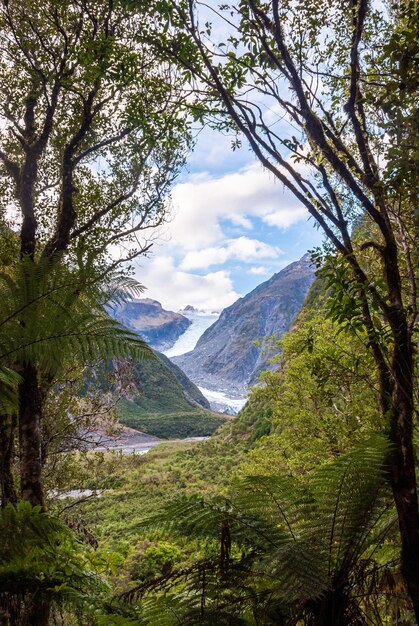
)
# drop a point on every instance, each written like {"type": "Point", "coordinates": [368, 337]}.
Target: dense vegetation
{"type": "Point", "coordinates": [304, 510]}
{"type": "Point", "coordinates": [161, 401]}
{"type": "Point", "coordinates": [175, 422]}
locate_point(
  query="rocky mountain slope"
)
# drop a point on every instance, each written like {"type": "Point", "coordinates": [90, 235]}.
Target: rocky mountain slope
{"type": "Point", "coordinates": [160, 400]}
{"type": "Point", "coordinates": [226, 357]}
{"type": "Point", "coordinates": [158, 327]}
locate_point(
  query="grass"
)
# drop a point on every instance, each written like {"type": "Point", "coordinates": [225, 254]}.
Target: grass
{"type": "Point", "coordinates": [166, 424]}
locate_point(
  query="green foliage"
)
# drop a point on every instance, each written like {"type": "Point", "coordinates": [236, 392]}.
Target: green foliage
{"type": "Point", "coordinates": [136, 485]}
{"type": "Point", "coordinates": [158, 404]}
{"type": "Point", "coordinates": [9, 381]}
{"type": "Point", "coordinates": [183, 423]}
{"type": "Point", "coordinates": [49, 312]}
{"type": "Point", "coordinates": [41, 557]}
{"type": "Point", "coordinates": [285, 552]}
{"type": "Point", "coordinates": [107, 125]}
{"type": "Point", "coordinates": [323, 398]}
{"type": "Point", "coordinates": [255, 418]}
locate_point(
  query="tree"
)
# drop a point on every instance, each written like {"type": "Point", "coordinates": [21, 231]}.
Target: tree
{"type": "Point", "coordinates": [45, 326]}
{"type": "Point", "coordinates": [93, 134]}
{"type": "Point", "coordinates": [323, 397]}
{"type": "Point", "coordinates": [279, 552]}
{"type": "Point", "coordinates": [325, 97]}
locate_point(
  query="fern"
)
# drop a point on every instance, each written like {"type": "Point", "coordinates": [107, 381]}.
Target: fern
{"type": "Point", "coordinates": [50, 313]}
{"type": "Point", "coordinates": [40, 556]}
{"type": "Point", "coordinates": [9, 381]}
{"type": "Point", "coordinates": [292, 551]}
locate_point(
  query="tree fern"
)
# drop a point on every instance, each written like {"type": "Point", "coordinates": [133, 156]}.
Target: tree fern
{"type": "Point", "coordinates": [40, 557]}
{"type": "Point", "coordinates": [9, 381]}
{"type": "Point", "coordinates": [50, 312]}
{"type": "Point", "coordinates": [296, 552]}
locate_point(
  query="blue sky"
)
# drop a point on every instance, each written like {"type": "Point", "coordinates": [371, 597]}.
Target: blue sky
{"type": "Point", "coordinates": [232, 227]}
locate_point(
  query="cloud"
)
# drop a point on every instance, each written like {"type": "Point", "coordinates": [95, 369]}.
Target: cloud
{"type": "Point", "coordinates": [176, 288]}
{"type": "Point", "coordinates": [285, 217]}
{"type": "Point", "coordinates": [221, 220]}
{"type": "Point", "coordinates": [258, 271]}
{"type": "Point", "coordinates": [241, 249]}
{"type": "Point", "coordinates": [203, 201]}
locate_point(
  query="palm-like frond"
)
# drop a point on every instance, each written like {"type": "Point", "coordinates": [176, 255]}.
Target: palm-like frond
{"type": "Point", "coordinates": [40, 556]}
{"type": "Point", "coordinates": [9, 381]}
{"type": "Point", "coordinates": [284, 548]}
{"type": "Point", "coordinates": [350, 496]}
{"type": "Point", "coordinates": [49, 312]}
{"type": "Point", "coordinates": [121, 288]}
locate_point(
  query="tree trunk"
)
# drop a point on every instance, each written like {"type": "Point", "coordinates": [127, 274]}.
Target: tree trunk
{"type": "Point", "coordinates": [403, 471]}
{"type": "Point", "coordinates": [30, 412]}
{"type": "Point", "coordinates": [38, 613]}
{"type": "Point", "coordinates": [8, 492]}
{"type": "Point", "coordinates": [31, 487]}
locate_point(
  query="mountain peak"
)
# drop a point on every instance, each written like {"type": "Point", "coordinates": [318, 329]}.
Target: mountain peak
{"type": "Point", "coordinates": [160, 328]}
{"type": "Point", "coordinates": [226, 357]}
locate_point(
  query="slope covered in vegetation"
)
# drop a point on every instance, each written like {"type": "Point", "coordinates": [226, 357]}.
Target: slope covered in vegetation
{"type": "Point", "coordinates": [303, 512]}
{"type": "Point", "coordinates": [160, 400]}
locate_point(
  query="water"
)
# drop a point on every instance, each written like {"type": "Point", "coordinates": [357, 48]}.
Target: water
{"type": "Point", "coordinates": [142, 448]}
{"type": "Point", "coordinates": [76, 494]}
{"type": "Point", "coordinates": [187, 342]}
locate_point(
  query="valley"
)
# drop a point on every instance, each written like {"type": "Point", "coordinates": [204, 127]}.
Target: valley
{"type": "Point", "coordinates": [230, 353]}
{"type": "Point", "coordinates": [209, 270]}
{"type": "Point", "coordinates": [214, 358]}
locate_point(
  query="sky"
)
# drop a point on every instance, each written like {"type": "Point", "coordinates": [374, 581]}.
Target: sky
{"type": "Point", "coordinates": [232, 227]}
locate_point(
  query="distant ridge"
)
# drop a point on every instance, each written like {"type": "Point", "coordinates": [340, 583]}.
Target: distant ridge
{"type": "Point", "coordinates": [158, 327]}
{"type": "Point", "coordinates": [226, 357]}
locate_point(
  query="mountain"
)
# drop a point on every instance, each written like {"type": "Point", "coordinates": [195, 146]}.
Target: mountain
{"type": "Point", "coordinates": [226, 357]}
{"type": "Point", "coordinates": [158, 327]}
{"type": "Point", "coordinates": [157, 398]}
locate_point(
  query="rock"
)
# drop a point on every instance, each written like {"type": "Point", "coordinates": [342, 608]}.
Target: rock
{"type": "Point", "coordinates": [158, 327]}
{"type": "Point", "coordinates": [226, 357]}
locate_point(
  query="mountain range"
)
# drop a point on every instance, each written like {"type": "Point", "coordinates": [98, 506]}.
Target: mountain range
{"type": "Point", "coordinates": [158, 327]}
{"type": "Point", "coordinates": [236, 348]}
{"type": "Point", "coordinates": [164, 399]}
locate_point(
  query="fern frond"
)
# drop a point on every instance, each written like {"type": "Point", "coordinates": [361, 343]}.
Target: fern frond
{"type": "Point", "coordinates": [40, 555]}
{"type": "Point", "coordinates": [49, 313]}
{"type": "Point", "coordinates": [9, 381]}
{"type": "Point", "coordinates": [291, 547]}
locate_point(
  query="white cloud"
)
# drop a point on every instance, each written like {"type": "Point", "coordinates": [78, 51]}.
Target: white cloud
{"type": "Point", "coordinates": [201, 203]}
{"type": "Point", "coordinates": [208, 209]}
{"type": "Point", "coordinates": [285, 217]}
{"type": "Point", "coordinates": [241, 249]}
{"type": "Point", "coordinates": [258, 271]}
{"type": "Point", "coordinates": [245, 249]}
{"type": "Point", "coordinates": [176, 289]}
{"type": "Point", "coordinates": [241, 220]}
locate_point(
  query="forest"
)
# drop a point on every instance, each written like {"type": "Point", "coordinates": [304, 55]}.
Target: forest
{"type": "Point", "coordinates": [303, 509]}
